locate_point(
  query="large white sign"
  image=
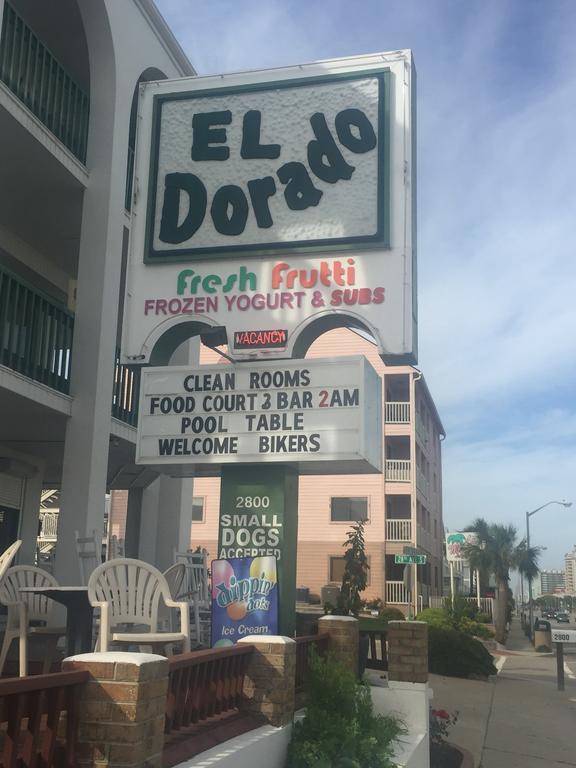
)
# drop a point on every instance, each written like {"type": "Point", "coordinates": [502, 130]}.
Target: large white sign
{"type": "Point", "coordinates": [322, 415]}
{"type": "Point", "coordinates": [278, 200]}
{"type": "Point", "coordinates": [456, 542]}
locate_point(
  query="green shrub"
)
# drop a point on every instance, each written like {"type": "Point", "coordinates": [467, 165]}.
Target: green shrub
{"type": "Point", "coordinates": [340, 729]}
{"type": "Point", "coordinates": [391, 614]}
{"type": "Point", "coordinates": [446, 618]}
{"type": "Point", "coordinates": [475, 629]}
{"type": "Point", "coordinates": [484, 618]}
{"type": "Point", "coordinates": [456, 654]}
{"type": "Point", "coordinates": [435, 617]}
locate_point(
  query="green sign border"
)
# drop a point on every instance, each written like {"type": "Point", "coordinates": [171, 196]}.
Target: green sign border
{"type": "Point", "coordinates": [379, 240]}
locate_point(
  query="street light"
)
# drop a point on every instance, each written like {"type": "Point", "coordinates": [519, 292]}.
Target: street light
{"type": "Point", "coordinates": [528, 516]}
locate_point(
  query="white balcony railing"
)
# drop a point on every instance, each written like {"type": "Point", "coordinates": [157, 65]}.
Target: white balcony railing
{"type": "Point", "coordinates": [397, 413]}
{"type": "Point", "coordinates": [396, 593]}
{"type": "Point", "coordinates": [48, 526]}
{"type": "Point", "coordinates": [398, 470]}
{"type": "Point", "coordinates": [399, 530]}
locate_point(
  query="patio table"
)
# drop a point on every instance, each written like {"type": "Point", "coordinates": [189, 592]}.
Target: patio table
{"type": "Point", "coordinates": [79, 615]}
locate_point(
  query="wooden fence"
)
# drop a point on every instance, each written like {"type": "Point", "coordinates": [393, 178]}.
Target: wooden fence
{"type": "Point", "coordinates": [377, 649]}
{"type": "Point", "coordinates": [202, 684]}
{"type": "Point", "coordinates": [31, 710]}
{"type": "Point", "coordinates": [304, 646]}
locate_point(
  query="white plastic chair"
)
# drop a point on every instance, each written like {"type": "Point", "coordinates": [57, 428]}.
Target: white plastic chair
{"type": "Point", "coordinates": [128, 591]}
{"type": "Point", "coordinates": [197, 591]}
{"type": "Point", "coordinates": [174, 578]}
{"type": "Point", "coordinates": [25, 607]}
{"type": "Point", "coordinates": [89, 552]}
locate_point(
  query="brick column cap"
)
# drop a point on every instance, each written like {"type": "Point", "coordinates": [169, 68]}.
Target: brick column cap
{"type": "Point", "coordinates": [334, 617]}
{"type": "Point", "coordinates": [266, 639]}
{"type": "Point", "coordinates": [116, 657]}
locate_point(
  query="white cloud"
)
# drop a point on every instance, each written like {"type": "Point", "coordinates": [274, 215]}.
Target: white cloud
{"type": "Point", "coordinates": [497, 213]}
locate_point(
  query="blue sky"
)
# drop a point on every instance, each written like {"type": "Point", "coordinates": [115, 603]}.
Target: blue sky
{"type": "Point", "coordinates": [496, 220]}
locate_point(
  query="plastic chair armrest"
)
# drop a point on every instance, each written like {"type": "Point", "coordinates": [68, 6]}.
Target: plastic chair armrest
{"type": "Point", "coordinates": [184, 619]}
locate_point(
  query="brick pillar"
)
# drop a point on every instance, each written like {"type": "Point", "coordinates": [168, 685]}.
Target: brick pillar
{"type": "Point", "coordinates": [344, 638]}
{"type": "Point", "coordinates": [270, 678]}
{"type": "Point", "coordinates": [408, 651]}
{"type": "Point", "coordinates": [121, 718]}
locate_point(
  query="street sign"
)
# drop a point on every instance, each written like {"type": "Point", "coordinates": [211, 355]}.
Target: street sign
{"type": "Point", "coordinates": [410, 559]}
{"type": "Point", "coordinates": [564, 635]}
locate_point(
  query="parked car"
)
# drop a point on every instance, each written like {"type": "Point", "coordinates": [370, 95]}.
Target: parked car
{"type": "Point", "coordinates": [549, 615]}
{"type": "Point", "coordinates": [563, 616]}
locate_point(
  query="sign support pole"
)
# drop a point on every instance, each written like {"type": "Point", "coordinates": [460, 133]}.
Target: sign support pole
{"type": "Point", "coordinates": [452, 582]}
{"type": "Point", "coordinates": [261, 504]}
{"type": "Point", "coordinates": [560, 665]}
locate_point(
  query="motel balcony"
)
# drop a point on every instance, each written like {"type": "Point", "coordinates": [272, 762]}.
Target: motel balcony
{"type": "Point", "coordinates": [396, 593]}
{"type": "Point", "coordinates": [399, 530]}
{"type": "Point", "coordinates": [397, 413]}
{"type": "Point", "coordinates": [36, 340]}
{"type": "Point", "coordinates": [398, 470]}
{"type": "Point", "coordinates": [35, 76]}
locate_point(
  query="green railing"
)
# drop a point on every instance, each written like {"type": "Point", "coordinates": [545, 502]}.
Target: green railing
{"type": "Point", "coordinates": [41, 83]}
{"type": "Point", "coordinates": [125, 392]}
{"type": "Point", "coordinates": [35, 333]}
{"type": "Point", "coordinates": [36, 340]}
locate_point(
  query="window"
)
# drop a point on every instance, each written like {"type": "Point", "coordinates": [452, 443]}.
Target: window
{"type": "Point", "coordinates": [336, 569]}
{"type": "Point", "coordinates": [344, 509]}
{"type": "Point", "coordinates": [337, 564]}
{"type": "Point", "coordinates": [198, 509]}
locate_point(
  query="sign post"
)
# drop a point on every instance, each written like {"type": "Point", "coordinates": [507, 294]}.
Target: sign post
{"type": "Point", "coordinates": [559, 637]}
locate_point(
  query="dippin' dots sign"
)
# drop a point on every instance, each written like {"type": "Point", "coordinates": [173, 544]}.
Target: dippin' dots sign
{"type": "Point", "coordinates": [286, 163]}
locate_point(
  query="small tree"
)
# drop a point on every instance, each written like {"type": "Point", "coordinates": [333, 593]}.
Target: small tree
{"type": "Point", "coordinates": [355, 577]}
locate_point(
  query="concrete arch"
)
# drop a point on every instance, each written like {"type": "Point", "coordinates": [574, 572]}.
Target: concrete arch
{"type": "Point", "coordinates": [165, 341]}
{"type": "Point", "coordinates": [328, 321]}
{"type": "Point", "coordinates": [150, 73]}
{"type": "Point", "coordinates": [102, 63]}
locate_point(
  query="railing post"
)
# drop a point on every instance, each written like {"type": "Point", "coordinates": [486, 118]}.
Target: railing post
{"type": "Point", "coordinates": [269, 681]}
{"type": "Point", "coordinates": [122, 712]}
{"type": "Point", "coordinates": [344, 638]}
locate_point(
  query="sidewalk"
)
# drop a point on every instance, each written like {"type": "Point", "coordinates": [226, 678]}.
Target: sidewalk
{"type": "Point", "coordinates": [518, 719]}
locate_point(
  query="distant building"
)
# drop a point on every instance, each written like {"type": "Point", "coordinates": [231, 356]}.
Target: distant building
{"type": "Point", "coordinates": [570, 568]}
{"type": "Point", "coordinates": [552, 581]}
{"type": "Point", "coordinates": [402, 506]}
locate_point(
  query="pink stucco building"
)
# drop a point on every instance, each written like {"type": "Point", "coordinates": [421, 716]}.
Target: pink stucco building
{"type": "Point", "coordinates": [402, 506]}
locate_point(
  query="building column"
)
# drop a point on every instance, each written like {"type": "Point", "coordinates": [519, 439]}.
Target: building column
{"type": "Point", "coordinates": [133, 522]}
{"type": "Point", "coordinates": [269, 685]}
{"type": "Point", "coordinates": [165, 520]}
{"type": "Point", "coordinates": [29, 516]}
{"type": "Point", "coordinates": [122, 709]}
{"type": "Point", "coordinates": [344, 638]}
{"type": "Point", "coordinates": [85, 463]}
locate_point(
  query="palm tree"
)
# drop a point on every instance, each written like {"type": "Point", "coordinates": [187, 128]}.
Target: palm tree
{"type": "Point", "coordinates": [498, 553]}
